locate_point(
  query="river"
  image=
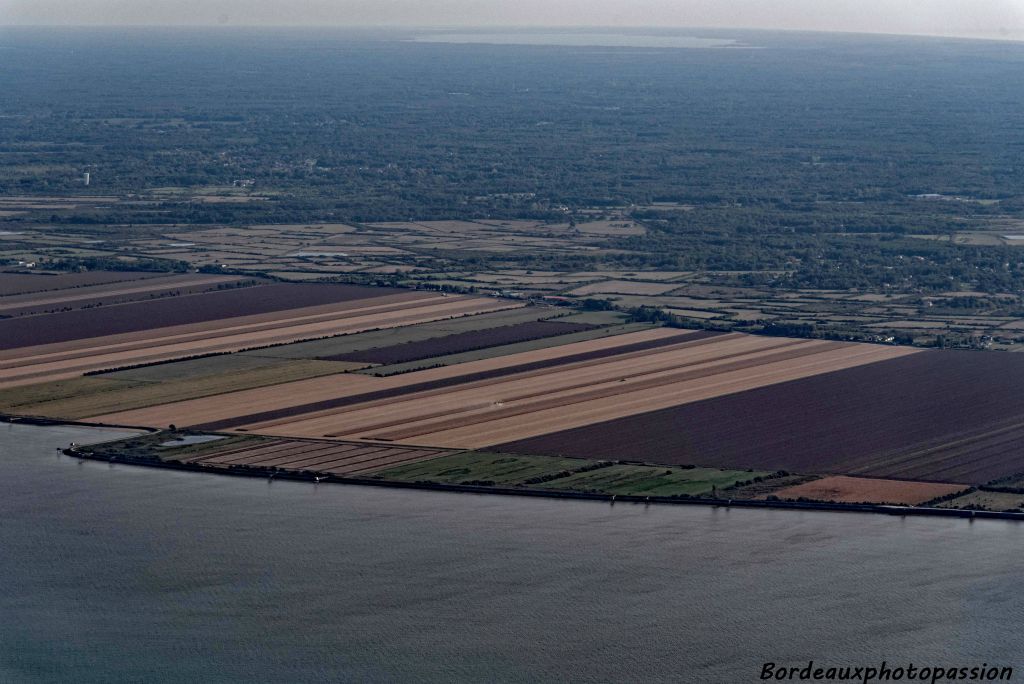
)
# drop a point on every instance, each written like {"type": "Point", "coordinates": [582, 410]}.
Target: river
{"type": "Point", "coordinates": [120, 573]}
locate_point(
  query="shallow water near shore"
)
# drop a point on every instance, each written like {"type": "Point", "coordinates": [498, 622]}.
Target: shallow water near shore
{"type": "Point", "coordinates": [121, 573]}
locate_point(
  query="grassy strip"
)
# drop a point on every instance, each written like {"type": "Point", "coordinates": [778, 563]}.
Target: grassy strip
{"type": "Point", "coordinates": [192, 368]}
{"type": "Point", "coordinates": [570, 474]}
{"type": "Point", "coordinates": [643, 480]}
{"type": "Point", "coordinates": [149, 447]}
{"type": "Point", "coordinates": [477, 468]}
{"type": "Point", "coordinates": [99, 399]}
{"type": "Point", "coordinates": [985, 500]}
{"type": "Point", "coordinates": [15, 399]}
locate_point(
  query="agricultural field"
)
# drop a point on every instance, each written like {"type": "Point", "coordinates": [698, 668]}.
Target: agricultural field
{"type": "Point", "coordinates": [942, 416]}
{"type": "Point", "coordinates": [120, 391]}
{"type": "Point", "coordinates": [462, 342]}
{"type": "Point", "coordinates": [984, 500]}
{"type": "Point", "coordinates": [478, 407]}
{"type": "Point", "coordinates": [81, 323]}
{"type": "Point", "coordinates": [844, 489]}
{"type": "Point", "coordinates": [627, 287]}
{"type": "Point", "coordinates": [65, 344]}
{"type": "Point", "coordinates": [435, 254]}
{"type": "Point", "coordinates": [567, 474]}
{"type": "Point", "coordinates": [394, 383]}
{"type": "Point", "coordinates": [26, 282]}
{"type": "Point", "coordinates": [93, 296]}
{"type": "Point", "coordinates": [240, 409]}
{"type": "Point", "coordinates": [389, 463]}
{"type": "Point", "coordinates": [507, 349]}
{"type": "Point", "coordinates": [647, 480]}
{"type": "Point", "coordinates": [326, 458]}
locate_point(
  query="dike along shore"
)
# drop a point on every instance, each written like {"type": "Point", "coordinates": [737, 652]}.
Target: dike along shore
{"type": "Point", "coordinates": [265, 473]}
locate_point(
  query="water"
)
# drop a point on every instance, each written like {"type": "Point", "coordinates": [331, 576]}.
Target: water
{"type": "Point", "coordinates": [579, 40]}
{"type": "Point", "coordinates": [118, 573]}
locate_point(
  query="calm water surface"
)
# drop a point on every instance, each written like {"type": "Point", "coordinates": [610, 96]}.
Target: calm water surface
{"type": "Point", "coordinates": [117, 573]}
{"type": "Point", "coordinates": [578, 40]}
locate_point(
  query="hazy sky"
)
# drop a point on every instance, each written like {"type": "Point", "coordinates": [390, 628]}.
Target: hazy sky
{"type": "Point", "coordinates": [980, 18]}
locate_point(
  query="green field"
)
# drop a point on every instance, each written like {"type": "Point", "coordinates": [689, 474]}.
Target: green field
{"type": "Point", "coordinates": [473, 467]}
{"type": "Point", "coordinates": [196, 368]}
{"type": "Point", "coordinates": [987, 501]}
{"type": "Point", "coordinates": [564, 474]}
{"type": "Point", "coordinates": [94, 396]}
{"type": "Point", "coordinates": [150, 446]}
{"type": "Point", "coordinates": [17, 399]}
{"type": "Point", "coordinates": [641, 480]}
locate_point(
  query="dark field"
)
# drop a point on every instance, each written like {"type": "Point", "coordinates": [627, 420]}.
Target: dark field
{"type": "Point", "coordinates": [135, 317]}
{"type": "Point", "coordinates": [462, 342]}
{"type": "Point", "coordinates": [109, 294]}
{"type": "Point", "coordinates": [340, 402]}
{"type": "Point", "coordinates": [945, 416]}
{"type": "Point", "coordinates": [372, 339]}
{"type": "Point", "coordinates": [23, 283]}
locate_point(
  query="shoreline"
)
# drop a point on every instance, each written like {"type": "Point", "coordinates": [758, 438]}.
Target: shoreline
{"type": "Point", "coordinates": [884, 509]}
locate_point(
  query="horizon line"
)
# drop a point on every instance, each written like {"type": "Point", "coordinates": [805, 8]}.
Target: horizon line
{"type": "Point", "coordinates": [1015, 37]}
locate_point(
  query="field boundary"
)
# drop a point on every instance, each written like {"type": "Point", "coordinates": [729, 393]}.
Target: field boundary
{"type": "Point", "coordinates": [885, 509]}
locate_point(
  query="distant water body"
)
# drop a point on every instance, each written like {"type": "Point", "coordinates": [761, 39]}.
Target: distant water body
{"type": "Point", "coordinates": [119, 573]}
{"type": "Point", "coordinates": [579, 40]}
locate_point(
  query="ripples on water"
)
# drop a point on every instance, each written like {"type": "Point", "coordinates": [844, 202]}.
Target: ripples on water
{"type": "Point", "coordinates": [115, 573]}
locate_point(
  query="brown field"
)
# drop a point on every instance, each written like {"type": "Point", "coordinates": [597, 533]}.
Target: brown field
{"type": "Point", "coordinates": [616, 228]}
{"type": "Point", "coordinates": [478, 410]}
{"type": "Point", "coordinates": [942, 416]}
{"type": "Point", "coordinates": [579, 394]}
{"type": "Point", "coordinates": [843, 489]}
{"type": "Point", "coordinates": [88, 296]}
{"type": "Point", "coordinates": [64, 360]}
{"type": "Point", "coordinates": [329, 458]}
{"type": "Point", "coordinates": [119, 396]}
{"type": "Point", "coordinates": [237, 324]}
{"type": "Point", "coordinates": [624, 287]}
{"type": "Point", "coordinates": [461, 342]}
{"type": "Point", "coordinates": [199, 308]}
{"type": "Point", "coordinates": [299, 396]}
{"type": "Point", "coordinates": [24, 283]}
